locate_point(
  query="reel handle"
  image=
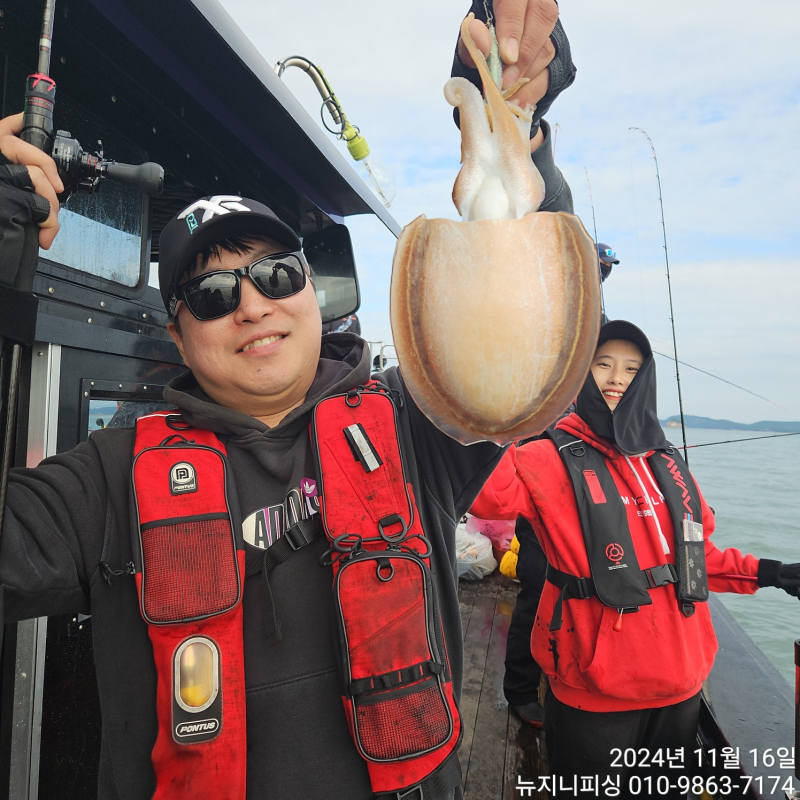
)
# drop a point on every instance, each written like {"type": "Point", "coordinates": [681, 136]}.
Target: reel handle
{"type": "Point", "coordinates": [148, 178]}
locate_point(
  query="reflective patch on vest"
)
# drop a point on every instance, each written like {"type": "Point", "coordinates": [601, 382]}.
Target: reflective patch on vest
{"type": "Point", "coordinates": [363, 449]}
{"type": "Point", "coordinates": [182, 478]}
{"type": "Point", "coordinates": [595, 489]}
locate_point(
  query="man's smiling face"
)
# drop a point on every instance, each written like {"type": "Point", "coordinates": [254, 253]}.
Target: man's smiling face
{"type": "Point", "coordinates": [261, 358]}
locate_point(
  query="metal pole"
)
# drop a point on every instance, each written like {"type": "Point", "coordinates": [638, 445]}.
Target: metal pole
{"type": "Point", "coordinates": [669, 289]}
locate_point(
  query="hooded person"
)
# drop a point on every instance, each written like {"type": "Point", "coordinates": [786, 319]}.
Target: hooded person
{"type": "Point", "coordinates": [623, 631]}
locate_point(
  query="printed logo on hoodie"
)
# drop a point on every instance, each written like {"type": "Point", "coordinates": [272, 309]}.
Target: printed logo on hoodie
{"type": "Point", "coordinates": [265, 526]}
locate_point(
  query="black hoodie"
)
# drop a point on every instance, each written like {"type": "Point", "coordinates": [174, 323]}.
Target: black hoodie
{"type": "Point", "coordinates": [72, 512]}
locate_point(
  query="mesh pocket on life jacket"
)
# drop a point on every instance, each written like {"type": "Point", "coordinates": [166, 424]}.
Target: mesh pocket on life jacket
{"type": "Point", "coordinates": [189, 570]}
{"type": "Point", "coordinates": [401, 723]}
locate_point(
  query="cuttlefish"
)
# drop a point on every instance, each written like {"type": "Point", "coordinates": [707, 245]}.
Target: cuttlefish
{"type": "Point", "coordinates": [495, 318]}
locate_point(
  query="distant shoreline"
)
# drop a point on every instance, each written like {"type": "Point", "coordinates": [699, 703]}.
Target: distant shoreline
{"type": "Point", "coordinates": [765, 426]}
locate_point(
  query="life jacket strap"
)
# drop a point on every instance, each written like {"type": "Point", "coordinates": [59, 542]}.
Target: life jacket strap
{"type": "Point", "coordinates": [396, 678]}
{"type": "Point", "coordinates": [299, 535]}
{"type": "Point", "coordinates": [574, 588]}
{"type": "Point", "coordinates": [437, 784]}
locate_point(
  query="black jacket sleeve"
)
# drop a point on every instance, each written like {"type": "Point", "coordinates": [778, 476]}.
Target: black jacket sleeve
{"type": "Point", "coordinates": [450, 472]}
{"type": "Point", "coordinates": [57, 518]}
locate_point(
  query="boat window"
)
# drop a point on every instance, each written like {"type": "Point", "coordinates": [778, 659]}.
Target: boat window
{"type": "Point", "coordinates": [101, 233]}
{"type": "Point", "coordinates": [330, 254]}
{"type": "Point", "coordinates": [111, 413]}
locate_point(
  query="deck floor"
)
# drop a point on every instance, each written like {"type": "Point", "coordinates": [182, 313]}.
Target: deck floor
{"type": "Point", "coordinates": [497, 749]}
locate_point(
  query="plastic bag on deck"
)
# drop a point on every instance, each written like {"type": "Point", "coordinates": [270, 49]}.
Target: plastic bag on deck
{"type": "Point", "coordinates": [473, 554]}
{"type": "Point", "coordinates": [499, 531]}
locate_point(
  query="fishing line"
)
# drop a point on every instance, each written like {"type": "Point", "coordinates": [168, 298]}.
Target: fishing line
{"type": "Point", "coordinates": [594, 223]}
{"type": "Point", "coordinates": [748, 439]}
{"type": "Point", "coordinates": [730, 383]}
{"type": "Point", "coordinates": [636, 222]}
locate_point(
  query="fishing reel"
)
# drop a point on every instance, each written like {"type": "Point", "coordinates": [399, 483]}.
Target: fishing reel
{"type": "Point", "coordinates": [79, 170]}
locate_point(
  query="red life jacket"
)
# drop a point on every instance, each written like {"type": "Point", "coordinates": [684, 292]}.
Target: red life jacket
{"type": "Point", "coordinates": [396, 681]}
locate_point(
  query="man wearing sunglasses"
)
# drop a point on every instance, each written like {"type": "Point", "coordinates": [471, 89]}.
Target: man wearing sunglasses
{"type": "Point", "coordinates": [245, 319]}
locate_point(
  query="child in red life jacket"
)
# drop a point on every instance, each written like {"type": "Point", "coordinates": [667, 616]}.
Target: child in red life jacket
{"type": "Point", "coordinates": [617, 511]}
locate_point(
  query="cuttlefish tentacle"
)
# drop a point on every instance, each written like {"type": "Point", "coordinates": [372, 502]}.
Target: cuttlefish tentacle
{"type": "Point", "coordinates": [476, 150]}
{"type": "Point", "coordinates": [498, 180]}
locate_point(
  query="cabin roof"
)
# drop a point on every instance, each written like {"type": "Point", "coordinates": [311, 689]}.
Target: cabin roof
{"type": "Point", "coordinates": [199, 46]}
{"type": "Point", "coordinates": [181, 84]}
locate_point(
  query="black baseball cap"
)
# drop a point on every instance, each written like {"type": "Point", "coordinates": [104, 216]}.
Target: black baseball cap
{"type": "Point", "coordinates": [209, 220]}
{"type": "Point", "coordinates": [606, 254]}
{"type": "Point", "coordinates": [621, 329]}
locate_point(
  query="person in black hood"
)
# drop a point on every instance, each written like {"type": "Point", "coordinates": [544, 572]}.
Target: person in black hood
{"type": "Point", "coordinates": [622, 412]}
{"type": "Point", "coordinates": [622, 630]}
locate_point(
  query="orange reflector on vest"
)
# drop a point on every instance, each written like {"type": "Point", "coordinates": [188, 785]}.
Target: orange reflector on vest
{"type": "Point", "coordinates": [196, 674]}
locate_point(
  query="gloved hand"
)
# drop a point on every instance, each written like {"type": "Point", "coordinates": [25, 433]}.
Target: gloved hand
{"type": "Point", "coordinates": [784, 576]}
{"type": "Point", "coordinates": [40, 176]}
{"type": "Point", "coordinates": [21, 211]}
{"type": "Point", "coordinates": [532, 45]}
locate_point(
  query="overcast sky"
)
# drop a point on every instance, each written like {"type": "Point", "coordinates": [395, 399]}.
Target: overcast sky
{"type": "Point", "coordinates": [716, 84]}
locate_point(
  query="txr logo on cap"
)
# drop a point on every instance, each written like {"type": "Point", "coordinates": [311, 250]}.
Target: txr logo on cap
{"type": "Point", "coordinates": [182, 478]}
{"type": "Point", "coordinates": [214, 206]}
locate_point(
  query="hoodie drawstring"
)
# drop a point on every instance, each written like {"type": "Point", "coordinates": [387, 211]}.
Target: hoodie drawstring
{"type": "Point", "coordinates": [275, 620]}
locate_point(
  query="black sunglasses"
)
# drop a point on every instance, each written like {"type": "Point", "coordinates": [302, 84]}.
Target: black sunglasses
{"type": "Point", "coordinates": [217, 294]}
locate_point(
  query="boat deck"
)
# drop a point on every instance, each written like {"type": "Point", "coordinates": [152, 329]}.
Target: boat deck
{"type": "Point", "coordinates": [498, 752]}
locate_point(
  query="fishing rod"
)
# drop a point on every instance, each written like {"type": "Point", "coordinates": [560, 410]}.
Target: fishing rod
{"type": "Point", "coordinates": [669, 288]}
{"type": "Point", "coordinates": [724, 380]}
{"type": "Point", "coordinates": [594, 224]}
{"type": "Point", "coordinates": [748, 439]}
{"type": "Point", "coordinates": [79, 170]}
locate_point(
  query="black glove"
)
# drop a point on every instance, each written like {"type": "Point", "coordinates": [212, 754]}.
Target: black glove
{"type": "Point", "coordinates": [784, 576]}
{"type": "Point", "coordinates": [21, 210]}
{"type": "Point", "coordinates": [562, 70]}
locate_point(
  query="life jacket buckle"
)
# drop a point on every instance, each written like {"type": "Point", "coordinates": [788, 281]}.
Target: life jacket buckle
{"type": "Point", "coordinates": [414, 793]}
{"type": "Point", "coordinates": [353, 394]}
{"type": "Point", "coordinates": [583, 588]}
{"type": "Point", "coordinates": [662, 575]}
{"type": "Point", "coordinates": [298, 536]}
{"type": "Point", "coordinates": [577, 449]}
{"type": "Point", "coordinates": [386, 522]}
{"type": "Point", "coordinates": [177, 422]}
{"type": "Point", "coordinates": [348, 543]}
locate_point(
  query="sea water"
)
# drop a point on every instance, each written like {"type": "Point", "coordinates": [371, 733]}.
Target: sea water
{"type": "Point", "coordinates": [753, 488]}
